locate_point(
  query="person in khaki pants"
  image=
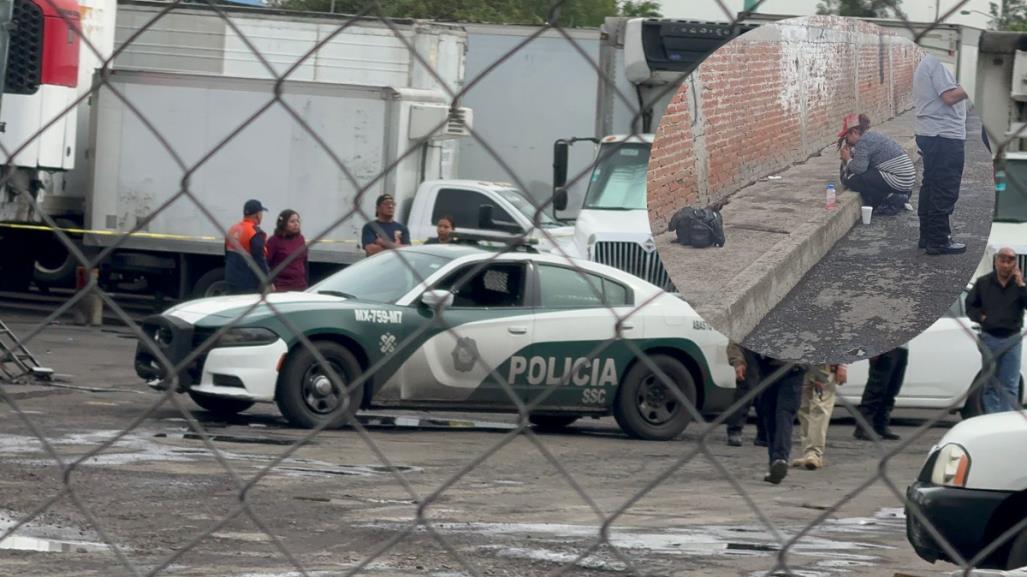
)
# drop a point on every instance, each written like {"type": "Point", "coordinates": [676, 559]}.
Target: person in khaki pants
{"type": "Point", "coordinates": [818, 397]}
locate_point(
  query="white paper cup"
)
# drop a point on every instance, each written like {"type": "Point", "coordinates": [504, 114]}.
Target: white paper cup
{"type": "Point", "coordinates": [867, 211]}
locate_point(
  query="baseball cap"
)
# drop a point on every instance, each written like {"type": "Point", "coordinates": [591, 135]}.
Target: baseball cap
{"type": "Point", "coordinates": [850, 121]}
{"type": "Point", "coordinates": [253, 206]}
{"type": "Point", "coordinates": [382, 198]}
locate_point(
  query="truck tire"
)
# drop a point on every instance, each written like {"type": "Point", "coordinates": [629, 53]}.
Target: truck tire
{"type": "Point", "coordinates": [55, 265]}
{"type": "Point", "coordinates": [551, 422]}
{"type": "Point", "coordinates": [1018, 552]}
{"type": "Point", "coordinates": [646, 409]}
{"type": "Point", "coordinates": [211, 284]}
{"type": "Point", "coordinates": [306, 395]}
{"type": "Point", "coordinates": [221, 406]}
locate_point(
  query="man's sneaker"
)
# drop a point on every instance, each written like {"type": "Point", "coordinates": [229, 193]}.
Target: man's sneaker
{"type": "Point", "coordinates": [734, 439]}
{"type": "Point", "coordinates": [800, 463]}
{"type": "Point", "coordinates": [778, 471]}
{"type": "Point", "coordinates": [759, 442]}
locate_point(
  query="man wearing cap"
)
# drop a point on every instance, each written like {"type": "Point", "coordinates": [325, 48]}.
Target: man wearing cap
{"type": "Point", "coordinates": [384, 233]}
{"type": "Point", "coordinates": [941, 137]}
{"type": "Point", "coordinates": [875, 166]}
{"type": "Point", "coordinates": [245, 237]}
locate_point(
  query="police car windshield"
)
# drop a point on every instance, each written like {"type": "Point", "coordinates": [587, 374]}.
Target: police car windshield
{"type": "Point", "coordinates": [383, 278]}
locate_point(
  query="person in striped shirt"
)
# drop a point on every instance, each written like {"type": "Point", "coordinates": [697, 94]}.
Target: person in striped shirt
{"type": "Point", "coordinates": [875, 166]}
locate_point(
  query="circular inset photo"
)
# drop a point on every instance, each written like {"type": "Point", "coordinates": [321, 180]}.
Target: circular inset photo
{"type": "Point", "coordinates": [821, 190]}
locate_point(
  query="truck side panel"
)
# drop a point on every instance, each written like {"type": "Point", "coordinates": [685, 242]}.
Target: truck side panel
{"type": "Point", "coordinates": [272, 158]}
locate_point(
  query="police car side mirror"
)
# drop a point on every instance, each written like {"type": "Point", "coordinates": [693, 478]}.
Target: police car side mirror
{"type": "Point", "coordinates": [437, 298]}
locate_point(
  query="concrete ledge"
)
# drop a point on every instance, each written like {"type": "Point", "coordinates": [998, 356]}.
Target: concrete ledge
{"type": "Point", "coordinates": [777, 231]}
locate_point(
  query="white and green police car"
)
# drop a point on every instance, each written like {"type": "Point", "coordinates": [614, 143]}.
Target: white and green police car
{"type": "Point", "coordinates": [451, 327]}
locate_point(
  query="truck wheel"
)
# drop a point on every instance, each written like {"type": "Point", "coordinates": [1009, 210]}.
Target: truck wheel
{"type": "Point", "coordinates": [1018, 552]}
{"type": "Point", "coordinates": [974, 406]}
{"type": "Point", "coordinates": [211, 284]}
{"type": "Point", "coordinates": [306, 395]}
{"type": "Point", "coordinates": [220, 406]}
{"type": "Point", "coordinates": [551, 422]}
{"type": "Point", "coordinates": [646, 409]}
{"type": "Point", "coordinates": [55, 265]}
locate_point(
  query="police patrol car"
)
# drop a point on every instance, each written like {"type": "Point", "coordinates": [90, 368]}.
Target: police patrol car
{"type": "Point", "coordinates": [450, 327]}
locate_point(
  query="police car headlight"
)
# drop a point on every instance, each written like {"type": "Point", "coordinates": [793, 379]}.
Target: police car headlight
{"type": "Point", "coordinates": [952, 466]}
{"type": "Point", "coordinates": [246, 337]}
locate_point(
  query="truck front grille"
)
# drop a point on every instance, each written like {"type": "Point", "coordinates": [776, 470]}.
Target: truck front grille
{"type": "Point", "coordinates": [631, 258]}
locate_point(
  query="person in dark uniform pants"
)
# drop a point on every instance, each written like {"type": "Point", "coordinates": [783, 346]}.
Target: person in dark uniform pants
{"type": "Point", "coordinates": [746, 378]}
{"type": "Point", "coordinates": [941, 137]}
{"type": "Point", "coordinates": [779, 403]}
{"type": "Point", "coordinates": [887, 372]}
{"type": "Point", "coordinates": [245, 237]}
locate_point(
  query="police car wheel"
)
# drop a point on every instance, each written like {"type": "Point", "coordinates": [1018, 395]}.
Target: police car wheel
{"type": "Point", "coordinates": [220, 405]}
{"type": "Point", "coordinates": [646, 409]}
{"type": "Point", "coordinates": [552, 422]}
{"type": "Point", "coordinates": [1018, 552]}
{"type": "Point", "coordinates": [307, 394]}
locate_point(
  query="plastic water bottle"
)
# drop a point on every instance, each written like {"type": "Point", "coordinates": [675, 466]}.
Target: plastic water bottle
{"type": "Point", "coordinates": [832, 196]}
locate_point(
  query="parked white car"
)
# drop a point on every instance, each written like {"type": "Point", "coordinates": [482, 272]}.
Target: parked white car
{"type": "Point", "coordinates": [972, 492]}
{"type": "Point", "coordinates": [944, 361]}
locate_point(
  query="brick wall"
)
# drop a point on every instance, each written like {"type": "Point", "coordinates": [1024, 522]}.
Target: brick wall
{"type": "Point", "coordinates": [769, 99]}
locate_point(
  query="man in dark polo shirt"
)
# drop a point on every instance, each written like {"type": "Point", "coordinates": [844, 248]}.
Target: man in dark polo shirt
{"type": "Point", "coordinates": [384, 232]}
{"type": "Point", "coordinates": [997, 301]}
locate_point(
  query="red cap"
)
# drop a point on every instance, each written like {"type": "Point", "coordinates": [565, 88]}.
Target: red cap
{"type": "Point", "coordinates": [850, 121]}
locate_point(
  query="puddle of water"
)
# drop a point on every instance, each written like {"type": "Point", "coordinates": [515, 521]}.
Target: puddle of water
{"type": "Point", "coordinates": [21, 543]}
{"type": "Point", "coordinates": [140, 448]}
{"type": "Point", "coordinates": [43, 538]}
{"type": "Point", "coordinates": [535, 554]}
{"type": "Point", "coordinates": [238, 536]}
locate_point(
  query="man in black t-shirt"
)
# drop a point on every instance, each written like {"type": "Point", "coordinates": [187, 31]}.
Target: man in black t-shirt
{"type": "Point", "coordinates": [384, 233]}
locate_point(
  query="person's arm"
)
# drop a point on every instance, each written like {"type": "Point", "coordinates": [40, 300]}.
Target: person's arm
{"type": "Point", "coordinates": [405, 238]}
{"type": "Point", "coordinates": [954, 96]}
{"type": "Point", "coordinates": [736, 358]}
{"type": "Point", "coordinates": [974, 305]}
{"type": "Point", "coordinates": [860, 158]}
{"type": "Point", "coordinates": [257, 250]}
{"type": "Point", "coordinates": [946, 87]}
{"type": "Point", "coordinates": [273, 254]}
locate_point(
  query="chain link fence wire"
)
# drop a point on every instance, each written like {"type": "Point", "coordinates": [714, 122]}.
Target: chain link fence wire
{"type": "Point", "coordinates": [353, 384]}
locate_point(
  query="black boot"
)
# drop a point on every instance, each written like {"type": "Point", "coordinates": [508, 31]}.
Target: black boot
{"type": "Point", "coordinates": [882, 429]}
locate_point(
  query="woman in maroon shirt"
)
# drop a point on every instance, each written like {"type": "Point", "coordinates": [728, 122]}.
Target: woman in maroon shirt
{"type": "Point", "coordinates": [286, 241]}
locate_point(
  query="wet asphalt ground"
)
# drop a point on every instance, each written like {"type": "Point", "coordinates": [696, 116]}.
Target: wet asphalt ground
{"type": "Point", "coordinates": [163, 497]}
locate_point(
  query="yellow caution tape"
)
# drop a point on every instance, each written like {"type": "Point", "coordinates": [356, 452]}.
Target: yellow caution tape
{"type": "Point", "coordinates": [155, 235]}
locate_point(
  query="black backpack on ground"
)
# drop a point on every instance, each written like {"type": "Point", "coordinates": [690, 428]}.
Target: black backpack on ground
{"type": "Point", "coordinates": [698, 227]}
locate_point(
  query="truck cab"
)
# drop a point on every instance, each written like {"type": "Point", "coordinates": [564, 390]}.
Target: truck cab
{"type": "Point", "coordinates": [483, 208]}
{"type": "Point", "coordinates": [612, 227]}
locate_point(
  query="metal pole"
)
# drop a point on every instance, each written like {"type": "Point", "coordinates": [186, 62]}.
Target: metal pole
{"type": "Point", "coordinates": [333, 7]}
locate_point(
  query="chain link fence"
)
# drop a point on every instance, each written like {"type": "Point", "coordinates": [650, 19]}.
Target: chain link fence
{"type": "Point", "coordinates": [353, 384]}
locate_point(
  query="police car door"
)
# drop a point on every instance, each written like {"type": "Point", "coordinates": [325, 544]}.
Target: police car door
{"type": "Point", "coordinates": [571, 360]}
{"type": "Point", "coordinates": [489, 321]}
